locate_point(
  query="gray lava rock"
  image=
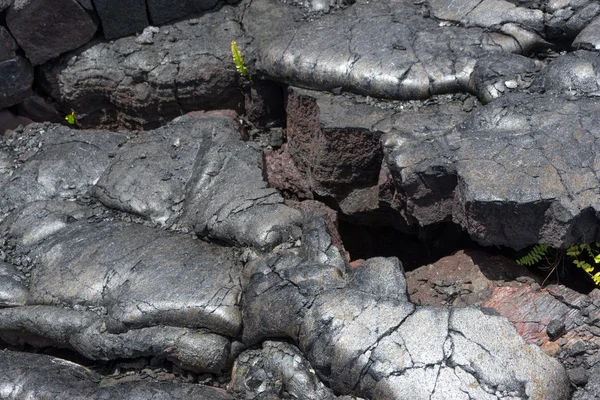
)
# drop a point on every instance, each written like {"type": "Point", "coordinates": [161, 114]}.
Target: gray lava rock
{"type": "Point", "coordinates": [522, 23]}
{"type": "Point", "coordinates": [86, 333]}
{"type": "Point", "coordinates": [17, 79]}
{"type": "Point", "coordinates": [413, 58]}
{"type": "Point", "coordinates": [362, 336]}
{"type": "Point", "coordinates": [275, 369]}
{"type": "Point", "coordinates": [189, 168]}
{"type": "Point", "coordinates": [162, 11]}
{"type": "Point", "coordinates": [589, 38]}
{"type": "Point", "coordinates": [565, 19]}
{"type": "Point", "coordinates": [121, 18]}
{"type": "Point", "coordinates": [4, 4]}
{"type": "Point", "coordinates": [141, 276]}
{"type": "Point", "coordinates": [8, 46]}
{"type": "Point", "coordinates": [37, 376]}
{"type": "Point", "coordinates": [59, 162]}
{"type": "Point", "coordinates": [127, 84]}
{"type": "Point", "coordinates": [574, 74]}
{"type": "Point", "coordinates": [12, 289]}
{"type": "Point", "coordinates": [47, 28]}
{"type": "Point", "coordinates": [514, 173]}
{"type": "Point", "coordinates": [334, 146]}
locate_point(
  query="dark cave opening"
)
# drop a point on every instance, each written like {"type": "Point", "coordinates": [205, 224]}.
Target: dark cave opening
{"type": "Point", "coordinates": [363, 241]}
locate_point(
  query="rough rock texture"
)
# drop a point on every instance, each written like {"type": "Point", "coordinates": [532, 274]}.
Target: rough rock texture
{"type": "Point", "coordinates": [47, 28]}
{"type": "Point", "coordinates": [278, 369]}
{"type": "Point", "coordinates": [16, 72]}
{"type": "Point", "coordinates": [333, 157]}
{"type": "Point", "coordinates": [121, 18]}
{"type": "Point", "coordinates": [134, 85]}
{"type": "Point", "coordinates": [16, 84]}
{"type": "Point", "coordinates": [514, 173]}
{"type": "Point", "coordinates": [334, 147]}
{"type": "Point", "coordinates": [464, 278]}
{"type": "Point", "coordinates": [564, 323]}
{"type": "Point", "coordinates": [523, 24]}
{"type": "Point", "coordinates": [162, 11]}
{"type": "Point", "coordinates": [412, 58]}
{"type": "Point", "coordinates": [574, 74]}
{"type": "Point", "coordinates": [183, 173]}
{"type": "Point", "coordinates": [8, 46]}
{"type": "Point", "coordinates": [12, 289]}
{"type": "Point", "coordinates": [110, 266]}
{"type": "Point", "coordinates": [565, 19]}
{"type": "Point", "coordinates": [589, 38]}
{"type": "Point", "coordinates": [61, 162]}
{"type": "Point", "coordinates": [379, 351]}
{"type": "Point", "coordinates": [36, 376]}
{"type": "Point", "coordinates": [86, 333]}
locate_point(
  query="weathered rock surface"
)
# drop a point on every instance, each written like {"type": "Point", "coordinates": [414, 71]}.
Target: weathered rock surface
{"type": "Point", "coordinates": [563, 322]}
{"type": "Point", "coordinates": [278, 369]}
{"type": "Point", "coordinates": [516, 172]}
{"type": "Point", "coordinates": [12, 289]}
{"type": "Point", "coordinates": [379, 352]}
{"type": "Point", "coordinates": [61, 162]}
{"type": "Point", "coordinates": [589, 38]}
{"type": "Point", "coordinates": [574, 74]}
{"type": "Point", "coordinates": [119, 267]}
{"type": "Point", "coordinates": [47, 28]}
{"type": "Point", "coordinates": [134, 85]}
{"type": "Point", "coordinates": [122, 18]}
{"type": "Point", "coordinates": [334, 147]}
{"type": "Point", "coordinates": [413, 58]}
{"type": "Point", "coordinates": [16, 72]}
{"type": "Point", "coordinates": [182, 175]}
{"type": "Point", "coordinates": [162, 11]}
{"type": "Point", "coordinates": [565, 19]}
{"type": "Point", "coordinates": [37, 376]}
{"type": "Point", "coordinates": [463, 279]}
{"type": "Point", "coordinates": [523, 24]}
{"type": "Point", "coordinates": [86, 333]}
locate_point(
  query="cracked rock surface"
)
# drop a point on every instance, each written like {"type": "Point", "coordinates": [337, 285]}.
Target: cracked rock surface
{"type": "Point", "coordinates": [200, 256]}
{"type": "Point", "coordinates": [126, 83]}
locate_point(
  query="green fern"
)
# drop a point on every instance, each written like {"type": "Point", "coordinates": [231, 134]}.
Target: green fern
{"type": "Point", "coordinates": [534, 256]}
{"type": "Point", "coordinates": [238, 60]}
{"type": "Point", "coordinates": [583, 255]}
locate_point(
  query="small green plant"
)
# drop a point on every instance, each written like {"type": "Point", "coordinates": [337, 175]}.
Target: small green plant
{"type": "Point", "coordinates": [583, 255]}
{"type": "Point", "coordinates": [238, 60]}
{"type": "Point", "coordinates": [534, 256]}
{"type": "Point", "coordinates": [70, 118]}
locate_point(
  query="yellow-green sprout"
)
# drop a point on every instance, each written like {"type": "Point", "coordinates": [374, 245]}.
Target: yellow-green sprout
{"type": "Point", "coordinates": [71, 118]}
{"type": "Point", "coordinates": [240, 66]}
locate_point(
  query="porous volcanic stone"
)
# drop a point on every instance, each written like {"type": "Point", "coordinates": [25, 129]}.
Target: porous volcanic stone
{"type": "Point", "coordinates": [121, 18]}
{"type": "Point", "coordinates": [574, 74]}
{"type": "Point", "coordinates": [565, 19]}
{"type": "Point", "coordinates": [17, 79]}
{"type": "Point", "coordinates": [589, 38]}
{"type": "Point", "coordinates": [362, 336]}
{"type": "Point", "coordinates": [133, 85]}
{"type": "Point", "coordinates": [12, 286]}
{"type": "Point", "coordinates": [8, 46]}
{"type": "Point", "coordinates": [47, 28]}
{"type": "Point", "coordinates": [515, 173]}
